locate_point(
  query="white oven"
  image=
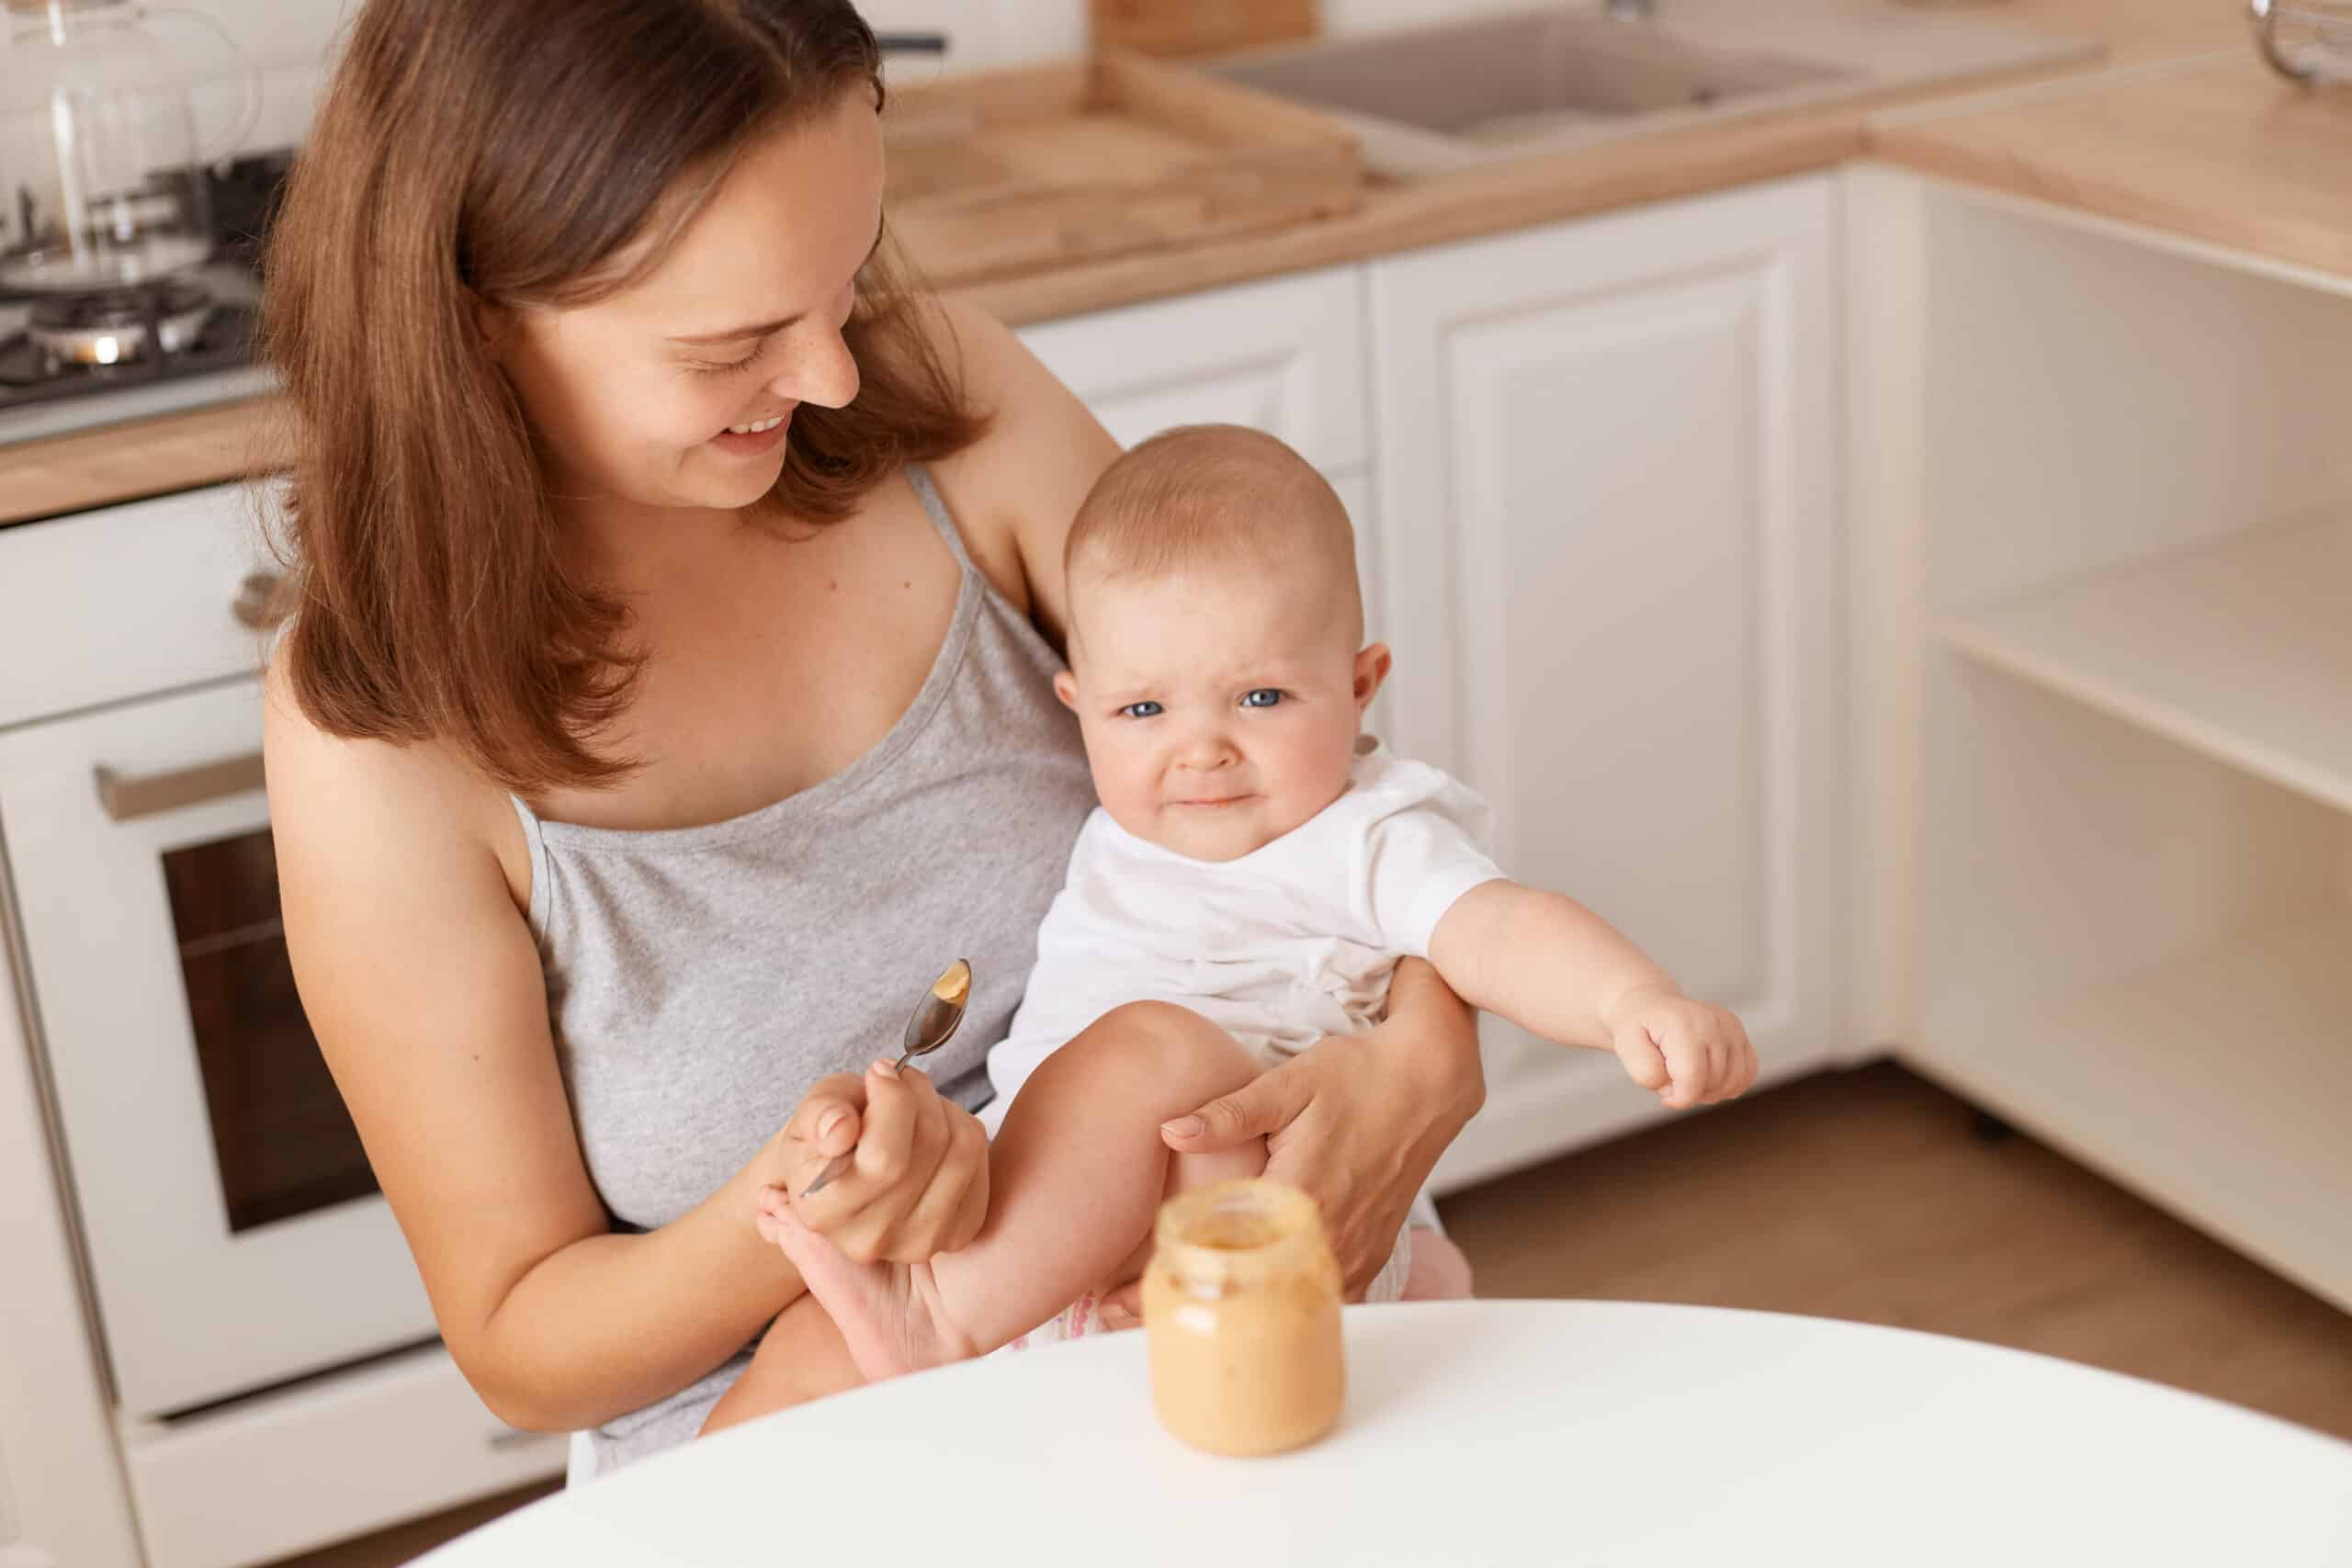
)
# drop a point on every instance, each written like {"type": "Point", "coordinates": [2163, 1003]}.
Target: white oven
{"type": "Point", "coordinates": [260, 1315]}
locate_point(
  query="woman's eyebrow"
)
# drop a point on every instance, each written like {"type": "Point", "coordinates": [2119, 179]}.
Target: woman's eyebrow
{"type": "Point", "coordinates": [761, 329]}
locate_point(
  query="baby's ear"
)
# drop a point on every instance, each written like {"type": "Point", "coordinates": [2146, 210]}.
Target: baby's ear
{"type": "Point", "coordinates": [1066, 688]}
{"type": "Point", "coordinates": [1372, 669]}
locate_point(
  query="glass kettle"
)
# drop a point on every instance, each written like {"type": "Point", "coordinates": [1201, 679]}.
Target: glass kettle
{"type": "Point", "coordinates": [102, 182]}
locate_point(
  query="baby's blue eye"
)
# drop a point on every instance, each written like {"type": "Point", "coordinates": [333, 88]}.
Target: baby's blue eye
{"type": "Point", "coordinates": [1264, 697]}
{"type": "Point", "coordinates": [1140, 710]}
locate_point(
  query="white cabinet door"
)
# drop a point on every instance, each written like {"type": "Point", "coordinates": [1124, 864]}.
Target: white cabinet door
{"type": "Point", "coordinates": [1608, 516]}
{"type": "Point", "coordinates": [1284, 357]}
{"type": "Point", "coordinates": [61, 1492]}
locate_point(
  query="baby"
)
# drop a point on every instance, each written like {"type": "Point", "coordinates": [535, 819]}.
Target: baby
{"type": "Point", "coordinates": [1253, 875]}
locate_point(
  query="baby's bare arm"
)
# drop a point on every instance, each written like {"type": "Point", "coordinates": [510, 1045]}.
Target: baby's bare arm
{"type": "Point", "coordinates": [1540, 959]}
{"type": "Point", "coordinates": [1552, 966]}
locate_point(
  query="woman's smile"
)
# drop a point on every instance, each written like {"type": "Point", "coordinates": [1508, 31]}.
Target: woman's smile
{"type": "Point", "coordinates": [751, 439]}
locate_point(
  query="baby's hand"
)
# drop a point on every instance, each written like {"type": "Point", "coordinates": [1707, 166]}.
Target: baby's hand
{"type": "Point", "coordinates": [1690, 1052]}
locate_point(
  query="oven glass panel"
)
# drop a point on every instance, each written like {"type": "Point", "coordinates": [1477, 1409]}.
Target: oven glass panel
{"type": "Point", "coordinates": [281, 1137]}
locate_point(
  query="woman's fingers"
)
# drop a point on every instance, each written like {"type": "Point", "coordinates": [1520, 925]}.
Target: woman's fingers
{"type": "Point", "coordinates": [824, 1126]}
{"type": "Point", "coordinates": [870, 1201]}
{"type": "Point", "coordinates": [887, 1143]}
{"type": "Point", "coordinates": [1123, 1308]}
{"type": "Point", "coordinates": [826, 1121]}
{"type": "Point", "coordinates": [916, 1214]}
{"type": "Point", "coordinates": [916, 1184]}
{"type": "Point", "coordinates": [1260, 1108]}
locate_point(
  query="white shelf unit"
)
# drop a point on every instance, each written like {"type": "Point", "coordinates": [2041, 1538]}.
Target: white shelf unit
{"type": "Point", "coordinates": [2102, 553]}
{"type": "Point", "coordinates": [2241, 650]}
{"type": "Point", "coordinates": [2142, 951]}
{"type": "Point", "coordinates": [2215, 1084]}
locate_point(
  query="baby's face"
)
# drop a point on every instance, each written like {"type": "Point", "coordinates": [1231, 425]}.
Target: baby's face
{"type": "Point", "coordinates": [1220, 707]}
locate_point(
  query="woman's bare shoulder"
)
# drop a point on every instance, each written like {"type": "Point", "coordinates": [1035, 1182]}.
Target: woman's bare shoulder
{"type": "Point", "coordinates": [1015, 490]}
{"type": "Point", "coordinates": [353, 807]}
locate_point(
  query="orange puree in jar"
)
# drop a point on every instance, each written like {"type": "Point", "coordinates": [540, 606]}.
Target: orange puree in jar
{"type": "Point", "coordinates": [1241, 1310]}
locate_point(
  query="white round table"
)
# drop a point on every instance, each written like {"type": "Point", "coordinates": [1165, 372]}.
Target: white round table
{"type": "Point", "coordinates": [1520, 1432]}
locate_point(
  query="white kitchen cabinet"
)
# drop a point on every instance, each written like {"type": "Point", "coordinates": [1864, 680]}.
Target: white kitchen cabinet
{"type": "Point", "coordinates": [2101, 557]}
{"type": "Point", "coordinates": [1284, 357]}
{"type": "Point", "coordinates": [61, 1491]}
{"type": "Point", "coordinates": [1608, 540]}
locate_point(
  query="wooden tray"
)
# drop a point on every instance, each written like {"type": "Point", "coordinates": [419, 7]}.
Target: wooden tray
{"type": "Point", "coordinates": [1012, 171]}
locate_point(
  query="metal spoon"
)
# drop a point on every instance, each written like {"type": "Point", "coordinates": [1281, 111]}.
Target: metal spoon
{"type": "Point", "coordinates": [931, 1025]}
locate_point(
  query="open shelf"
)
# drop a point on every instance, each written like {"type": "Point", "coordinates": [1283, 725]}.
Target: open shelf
{"type": "Point", "coordinates": [2219, 1085]}
{"type": "Point", "coordinates": [2241, 650]}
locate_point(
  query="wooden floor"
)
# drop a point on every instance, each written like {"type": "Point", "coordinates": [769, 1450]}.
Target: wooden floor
{"type": "Point", "coordinates": [1872, 1196]}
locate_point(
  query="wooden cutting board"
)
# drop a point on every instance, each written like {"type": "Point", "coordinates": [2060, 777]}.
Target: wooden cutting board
{"type": "Point", "coordinates": [1200, 26]}
{"type": "Point", "coordinates": [1013, 171]}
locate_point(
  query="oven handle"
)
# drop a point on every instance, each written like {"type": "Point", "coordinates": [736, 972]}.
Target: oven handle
{"type": "Point", "coordinates": [127, 799]}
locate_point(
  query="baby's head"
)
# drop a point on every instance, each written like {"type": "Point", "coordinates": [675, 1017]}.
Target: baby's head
{"type": "Point", "coordinates": [1215, 625]}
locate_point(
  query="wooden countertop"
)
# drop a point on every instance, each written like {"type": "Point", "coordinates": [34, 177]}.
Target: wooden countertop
{"type": "Point", "coordinates": [2221, 149]}
{"type": "Point", "coordinates": [180, 451]}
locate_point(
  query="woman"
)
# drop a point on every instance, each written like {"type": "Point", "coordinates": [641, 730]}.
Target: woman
{"type": "Point", "coordinates": [668, 695]}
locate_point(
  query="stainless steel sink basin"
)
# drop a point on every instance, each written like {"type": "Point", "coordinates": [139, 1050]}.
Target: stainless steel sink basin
{"type": "Point", "coordinates": [1429, 99]}
{"type": "Point", "coordinates": [1507, 77]}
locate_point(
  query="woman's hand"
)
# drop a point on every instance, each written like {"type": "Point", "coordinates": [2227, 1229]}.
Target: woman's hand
{"type": "Point", "coordinates": [1360, 1120]}
{"type": "Point", "coordinates": [918, 1185]}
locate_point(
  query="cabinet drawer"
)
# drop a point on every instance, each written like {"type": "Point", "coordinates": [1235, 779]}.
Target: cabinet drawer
{"type": "Point", "coordinates": [351, 1452]}
{"type": "Point", "coordinates": [125, 601]}
{"type": "Point", "coordinates": [1284, 357]}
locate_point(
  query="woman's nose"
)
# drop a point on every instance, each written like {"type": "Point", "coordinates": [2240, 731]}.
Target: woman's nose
{"type": "Point", "coordinates": [825, 373]}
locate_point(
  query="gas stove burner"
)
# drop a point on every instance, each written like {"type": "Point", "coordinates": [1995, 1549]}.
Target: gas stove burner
{"type": "Point", "coordinates": [118, 326]}
{"type": "Point", "coordinates": [30, 374]}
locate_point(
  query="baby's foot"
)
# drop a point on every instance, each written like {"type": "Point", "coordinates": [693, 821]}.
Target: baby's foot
{"type": "Point", "coordinates": [890, 1314]}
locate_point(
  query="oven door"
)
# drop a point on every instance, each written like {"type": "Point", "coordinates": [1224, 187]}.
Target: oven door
{"type": "Point", "coordinates": [235, 1234]}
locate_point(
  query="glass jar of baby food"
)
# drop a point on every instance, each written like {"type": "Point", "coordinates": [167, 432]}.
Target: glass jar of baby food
{"type": "Point", "coordinates": [1241, 1311]}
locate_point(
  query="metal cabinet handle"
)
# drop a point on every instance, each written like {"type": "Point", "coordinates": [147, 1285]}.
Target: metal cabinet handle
{"type": "Point", "coordinates": [127, 799]}
{"type": "Point", "coordinates": [507, 1437]}
{"type": "Point", "coordinates": [256, 604]}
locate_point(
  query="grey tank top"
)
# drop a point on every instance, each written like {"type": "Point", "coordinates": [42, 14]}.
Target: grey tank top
{"type": "Point", "coordinates": [700, 979]}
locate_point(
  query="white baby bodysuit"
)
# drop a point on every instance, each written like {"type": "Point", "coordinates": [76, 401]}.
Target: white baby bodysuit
{"type": "Point", "coordinates": [1293, 941]}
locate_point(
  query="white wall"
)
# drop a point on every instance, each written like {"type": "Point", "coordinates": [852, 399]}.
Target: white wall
{"type": "Point", "coordinates": [290, 41]}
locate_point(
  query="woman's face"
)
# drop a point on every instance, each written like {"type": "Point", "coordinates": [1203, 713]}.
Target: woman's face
{"type": "Point", "coordinates": [679, 390]}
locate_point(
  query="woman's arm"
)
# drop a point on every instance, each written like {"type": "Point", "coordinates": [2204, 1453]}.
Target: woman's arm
{"type": "Point", "coordinates": [423, 987]}
{"type": "Point", "coordinates": [1017, 489]}
{"type": "Point", "coordinates": [1360, 1120]}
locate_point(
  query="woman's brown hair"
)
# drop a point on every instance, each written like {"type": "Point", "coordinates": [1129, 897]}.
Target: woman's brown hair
{"type": "Point", "coordinates": [516, 152]}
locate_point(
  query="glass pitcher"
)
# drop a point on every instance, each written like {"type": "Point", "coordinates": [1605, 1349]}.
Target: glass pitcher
{"type": "Point", "coordinates": [102, 181]}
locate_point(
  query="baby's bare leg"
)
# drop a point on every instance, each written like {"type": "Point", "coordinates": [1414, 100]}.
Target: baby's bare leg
{"type": "Point", "coordinates": [1185, 1172]}
{"type": "Point", "coordinates": [800, 1357]}
{"type": "Point", "coordinates": [1075, 1180]}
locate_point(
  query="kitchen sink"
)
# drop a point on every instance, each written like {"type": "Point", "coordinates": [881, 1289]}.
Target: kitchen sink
{"type": "Point", "coordinates": [1510, 77]}
{"type": "Point", "coordinates": [1429, 99]}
